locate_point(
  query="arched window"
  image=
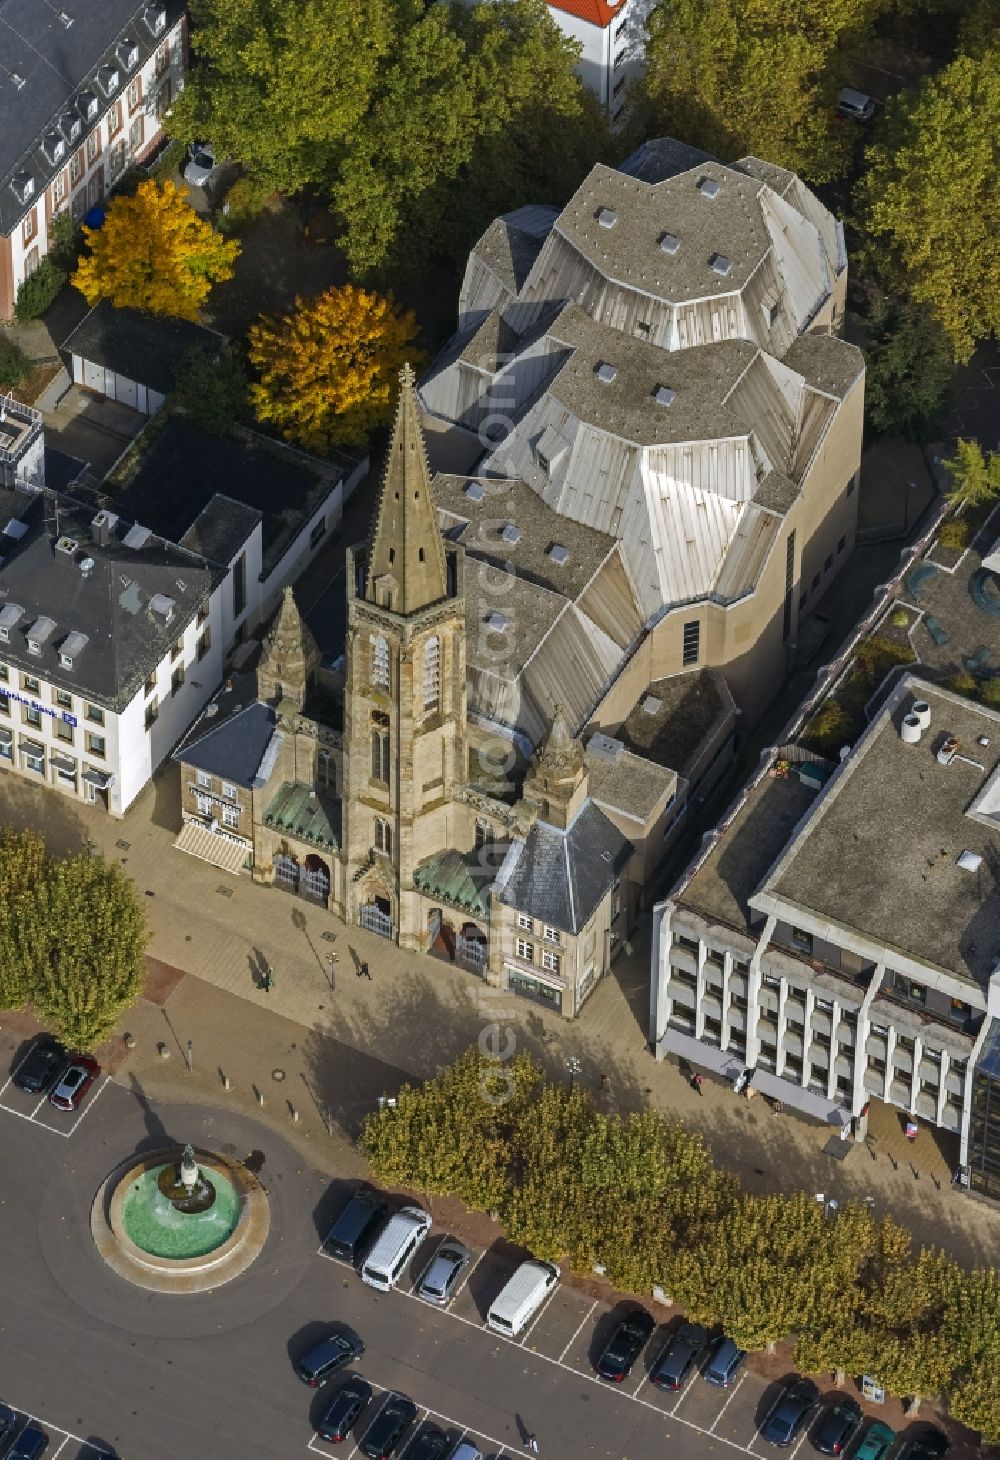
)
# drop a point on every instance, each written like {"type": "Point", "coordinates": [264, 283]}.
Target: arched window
{"type": "Point", "coordinates": [381, 749]}
{"type": "Point", "coordinates": [484, 834]}
{"type": "Point", "coordinates": [326, 771]}
{"type": "Point", "coordinates": [380, 662]}
{"type": "Point", "coordinates": [432, 673]}
{"type": "Point", "coordinates": [383, 836]}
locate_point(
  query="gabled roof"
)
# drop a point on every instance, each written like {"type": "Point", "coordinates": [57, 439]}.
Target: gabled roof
{"type": "Point", "coordinates": [561, 877]}
{"type": "Point", "coordinates": [594, 12]}
{"type": "Point", "coordinates": [231, 745]}
{"type": "Point", "coordinates": [148, 348]}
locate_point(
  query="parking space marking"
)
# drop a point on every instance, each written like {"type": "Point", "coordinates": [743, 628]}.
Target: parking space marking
{"type": "Point", "coordinates": [736, 1389]}
{"type": "Point", "coordinates": [32, 1116]}
{"type": "Point", "coordinates": [465, 1281]}
{"type": "Point", "coordinates": [501, 1447]}
{"type": "Point", "coordinates": [576, 1331]}
{"type": "Point", "coordinates": [644, 1380]}
{"type": "Point", "coordinates": [523, 1340]}
{"type": "Point", "coordinates": [61, 1448]}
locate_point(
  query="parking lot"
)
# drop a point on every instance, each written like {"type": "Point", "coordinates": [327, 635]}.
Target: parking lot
{"type": "Point", "coordinates": [37, 1110]}
{"type": "Point", "coordinates": [428, 1419]}
{"type": "Point", "coordinates": [62, 1444]}
{"type": "Point", "coordinates": [570, 1331]}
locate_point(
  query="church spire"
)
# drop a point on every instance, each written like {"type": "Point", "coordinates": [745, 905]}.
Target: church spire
{"type": "Point", "coordinates": [406, 562]}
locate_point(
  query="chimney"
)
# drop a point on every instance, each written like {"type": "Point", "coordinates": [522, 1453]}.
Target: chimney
{"type": "Point", "coordinates": [103, 527]}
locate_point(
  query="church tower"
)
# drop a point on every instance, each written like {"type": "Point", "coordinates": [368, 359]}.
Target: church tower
{"type": "Point", "coordinates": [405, 690]}
{"type": "Point", "coordinates": [556, 782]}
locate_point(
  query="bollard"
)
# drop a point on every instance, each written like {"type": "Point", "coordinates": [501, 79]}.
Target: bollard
{"type": "Point", "coordinates": [295, 1116]}
{"type": "Point", "coordinates": [260, 1097]}
{"type": "Point", "coordinates": [225, 1083]}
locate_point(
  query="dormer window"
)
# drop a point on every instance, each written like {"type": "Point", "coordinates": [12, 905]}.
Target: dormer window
{"type": "Point", "coordinates": [128, 53]}
{"type": "Point", "coordinates": [155, 17]}
{"type": "Point", "coordinates": [70, 126]}
{"type": "Point", "coordinates": [497, 621]}
{"type": "Point", "coordinates": [23, 185]}
{"type": "Point", "coordinates": [108, 79]}
{"type": "Point", "coordinates": [54, 147]}
{"type": "Point", "coordinates": [88, 105]}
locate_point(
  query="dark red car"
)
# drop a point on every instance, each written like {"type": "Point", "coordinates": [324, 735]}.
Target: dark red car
{"type": "Point", "coordinates": [74, 1082]}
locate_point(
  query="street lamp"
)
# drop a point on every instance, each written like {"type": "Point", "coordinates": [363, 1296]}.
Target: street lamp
{"type": "Point", "coordinates": [575, 1068]}
{"type": "Point", "coordinates": [830, 1204]}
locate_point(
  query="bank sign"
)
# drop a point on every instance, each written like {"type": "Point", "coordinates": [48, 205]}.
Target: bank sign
{"type": "Point", "coordinates": [63, 715]}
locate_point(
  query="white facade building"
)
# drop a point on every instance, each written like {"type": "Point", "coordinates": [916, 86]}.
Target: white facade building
{"type": "Point", "coordinates": [612, 40]}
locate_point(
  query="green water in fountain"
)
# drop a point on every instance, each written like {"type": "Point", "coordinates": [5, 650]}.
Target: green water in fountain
{"type": "Point", "coordinates": [156, 1226]}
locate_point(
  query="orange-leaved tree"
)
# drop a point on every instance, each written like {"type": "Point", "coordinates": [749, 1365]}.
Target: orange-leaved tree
{"type": "Point", "coordinates": [327, 371]}
{"type": "Point", "coordinates": [153, 252]}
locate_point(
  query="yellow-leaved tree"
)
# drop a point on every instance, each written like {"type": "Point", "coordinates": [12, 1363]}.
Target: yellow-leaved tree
{"type": "Point", "coordinates": [327, 371]}
{"type": "Point", "coordinates": [153, 252]}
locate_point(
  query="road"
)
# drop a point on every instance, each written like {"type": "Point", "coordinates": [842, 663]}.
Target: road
{"type": "Point", "coordinates": [102, 1363]}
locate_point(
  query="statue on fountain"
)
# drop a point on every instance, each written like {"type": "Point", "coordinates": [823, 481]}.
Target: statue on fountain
{"type": "Point", "coordinates": [185, 1186]}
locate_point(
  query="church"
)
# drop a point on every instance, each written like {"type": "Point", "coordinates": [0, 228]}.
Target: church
{"type": "Point", "coordinates": [371, 787]}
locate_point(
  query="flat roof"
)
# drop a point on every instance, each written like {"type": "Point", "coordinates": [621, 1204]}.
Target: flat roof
{"type": "Point", "coordinates": [880, 852]}
{"type": "Point", "coordinates": [688, 708]}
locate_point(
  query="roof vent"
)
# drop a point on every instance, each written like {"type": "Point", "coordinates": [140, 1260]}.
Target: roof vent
{"type": "Point", "coordinates": [15, 528]}
{"type": "Point", "coordinates": [497, 621]}
{"type": "Point", "coordinates": [910, 730]}
{"type": "Point", "coordinates": [475, 491]}
{"type": "Point", "coordinates": [922, 711]}
{"type": "Point", "coordinates": [605, 747]}
{"type": "Point", "coordinates": [664, 396]}
{"type": "Point", "coordinates": [127, 52]}
{"type": "Point", "coordinates": [67, 546]}
{"type": "Point", "coordinates": [605, 372]}
{"type": "Point", "coordinates": [88, 105]}
{"type": "Point", "coordinates": [54, 147]}
{"type": "Point", "coordinates": [86, 566]}
{"type": "Point", "coordinates": [607, 217]}
{"type": "Point", "coordinates": [720, 264]}
{"type": "Point", "coordinates": [137, 537]}
{"type": "Point", "coordinates": [162, 606]}
{"type": "Point", "coordinates": [155, 17]}
{"type": "Point", "coordinates": [708, 187]}
{"type": "Point", "coordinates": [949, 746]}
{"type": "Point", "coordinates": [651, 705]}
{"type": "Point", "coordinates": [23, 185]}
{"type": "Point", "coordinates": [669, 242]}
{"type": "Point", "coordinates": [511, 533]}
{"type": "Point", "coordinates": [970, 861]}
{"type": "Point", "coordinates": [17, 79]}
{"type": "Point", "coordinates": [65, 19]}
{"type": "Point", "coordinates": [558, 554]}
{"type": "Point", "coordinates": [70, 126]}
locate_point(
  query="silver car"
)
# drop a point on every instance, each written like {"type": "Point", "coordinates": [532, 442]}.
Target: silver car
{"type": "Point", "coordinates": [200, 165]}
{"type": "Point", "coordinates": [439, 1282]}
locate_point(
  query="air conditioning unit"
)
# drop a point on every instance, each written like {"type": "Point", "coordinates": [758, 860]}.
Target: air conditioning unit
{"type": "Point", "coordinates": [67, 546]}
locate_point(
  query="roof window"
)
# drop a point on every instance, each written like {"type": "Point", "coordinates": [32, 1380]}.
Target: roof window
{"type": "Point", "coordinates": [162, 606]}
{"type": "Point", "coordinates": [475, 491]}
{"type": "Point", "coordinates": [708, 187]}
{"type": "Point", "coordinates": [720, 264]}
{"type": "Point", "coordinates": [664, 396]}
{"type": "Point", "coordinates": [15, 528]}
{"type": "Point", "coordinates": [137, 536]}
{"type": "Point", "coordinates": [497, 621]}
{"type": "Point", "coordinates": [670, 243]}
{"type": "Point", "coordinates": [970, 861]}
{"type": "Point", "coordinates": [558, 554]}
{"type": "Point", "coordinates": [511, 533]}
{"type": "Point", "coordinates": [607, 217]}
{"type": "Point", "coordinates": [605, 372]}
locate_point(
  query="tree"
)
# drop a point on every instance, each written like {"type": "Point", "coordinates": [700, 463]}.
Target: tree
{"type": "Point", "coordinates": [327, 372]}
{"type": "Point", "coordinates": [85, 944]}
{"type": "Point", "coordinates": [975, 475]}
{"type": "Point", "coordinates": [212, 389]}
{"type": "Point", "coordinates": [930, 197]}
{"type": "Point", "coordinates": [153, 252]}
{"type": "Point", "coordinates": [22, 867]}
{"type": "Point", "coordinates": [759, 78]}
{"type": "Point", "coordinates": [908, 375]}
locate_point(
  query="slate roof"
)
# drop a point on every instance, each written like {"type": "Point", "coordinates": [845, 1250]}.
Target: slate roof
{"type": "Point", "coordinates": [561, 877]}
{"type": "Point", "coordinates": [148, 348]}
{"type": "Point", "coordinates": [231, 741]}
{"type": "Point", "coordinates": [55, 63]}
{"type": "Point", "coordinates": [108, 598]}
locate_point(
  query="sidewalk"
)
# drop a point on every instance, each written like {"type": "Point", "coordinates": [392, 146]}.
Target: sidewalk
{"type": "Point", "coordinates": [344, 1040]}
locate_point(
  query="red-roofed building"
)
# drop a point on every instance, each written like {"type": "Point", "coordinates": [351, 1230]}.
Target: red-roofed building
{"type": "Point", "coordinates": [613, 37]}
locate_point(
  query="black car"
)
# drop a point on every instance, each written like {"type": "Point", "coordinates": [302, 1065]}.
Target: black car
{"type": "Point", "coordinates": [382, 1437]}
{"type": "Point", "coordinates": [430, 1444]}
{"type": "Point", "coordinates": [30, 1443]}
{"type": "Point", "coordinates": [790, 1412]}
{"type": "Point", "coordinates": [354, 1228]}
{"type": "Point", "coordinates": [8, 1426]}
{"type": "Point", "coordinates": [680, 1356]}
{"type": "Point", "coordinates": [929, 1444]}
{"type": "Point", "coordinates": [837, 1427]}
{"type": "Point", "coordinates": [625, 1345]}
{"type": "Point", "coordinates": [343, 1413]}
{"type": "Point", "coordinates": [38, 1070]}
{"type": "Point", "coordinates": [336, 1350]}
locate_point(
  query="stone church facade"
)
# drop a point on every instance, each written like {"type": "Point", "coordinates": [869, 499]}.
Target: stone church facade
{"type": "Point", "coordinates": [358, 786]}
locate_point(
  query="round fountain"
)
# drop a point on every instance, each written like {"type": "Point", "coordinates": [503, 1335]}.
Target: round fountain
{"type": "Point", "coordinates": [180, 1221]}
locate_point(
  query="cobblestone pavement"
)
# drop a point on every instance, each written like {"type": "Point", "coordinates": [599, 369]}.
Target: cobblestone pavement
{"type": "Point", "coordinates": [342, 1040]}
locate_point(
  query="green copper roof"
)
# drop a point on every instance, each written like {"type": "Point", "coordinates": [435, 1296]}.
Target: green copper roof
{"type": "Point", "coordinates": [458, 880]}
{"type": "Point", "coordinates": [299, 811]}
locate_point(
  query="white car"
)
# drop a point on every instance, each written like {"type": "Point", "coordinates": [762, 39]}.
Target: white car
{"type": "Point", "coordinates": [200, 166]}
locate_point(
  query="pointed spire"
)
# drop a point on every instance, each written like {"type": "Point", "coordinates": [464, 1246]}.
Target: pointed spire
{"type": "Point", "coordinates": [290, 657]}
{"type": "Point", "coordinates": [559, 756]}
{"type": "Point", "coordinates": [406, 562]}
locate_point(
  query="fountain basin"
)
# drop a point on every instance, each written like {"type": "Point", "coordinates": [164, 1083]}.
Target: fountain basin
{"type": "Point", "coordinates": [143, 1236]}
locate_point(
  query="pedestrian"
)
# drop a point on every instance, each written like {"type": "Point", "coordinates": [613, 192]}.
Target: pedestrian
{"type": "Point", "coordinates": [605, 1082]}
{"type": "Point", "coordinates": [696, 1083]}
{"type": "Point", "coordinates": [531, 1444]}
{"type": "Point", "coordinates": [777, 1107]}
{"type": "Point", "coordinates": [364, 970]}
{"type": "Point", "coordinates": [268, 980]}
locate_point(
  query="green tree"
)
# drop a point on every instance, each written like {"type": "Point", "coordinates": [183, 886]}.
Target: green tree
{"type": "Point", "coordinates": [908, 376]}
{"type": "Point", "coordinates": [84, 943]}
{"type": "Point", "coordinates": [975, 475]}
{"type": "Point", "coordinates": [759, 78]}
{"type": "Point", "coordinates": [212, 389]}
{"type": "Point", "coordinates": [971, 1327]}
{"type": "Point", "coordinates": [930, 197]}
{"type": "Point", "coordinates": [22, 868]}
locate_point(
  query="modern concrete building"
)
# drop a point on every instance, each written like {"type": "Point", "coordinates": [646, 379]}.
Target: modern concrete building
{"type": "Point", "coordinates": [840, 935]}
{"type": "Point", "coordinates": [659, 363]}
{"type": "Point", "coordinates": [83, 88]}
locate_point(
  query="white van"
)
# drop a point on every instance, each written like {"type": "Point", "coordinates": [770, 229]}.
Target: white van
{"type": "Point", "coordinates": [521, 1297]}
{"type": "Point", "coordinates": [856, 105]}
{"type": "Point", "coordinates": [387, 1261]}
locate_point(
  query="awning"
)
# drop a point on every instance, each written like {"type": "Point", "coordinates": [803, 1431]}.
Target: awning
{"type": "Point", "coordinates": [63, 763]}
{"type": "Point", "coordinates": [828, 1111]}
{"type": "Point", "coordinates": [6, 736]}
{"type": "Point", "coordinates": [522, 969]}
{"type": "Point", "coordinates": [723, 1062]}
{"type": "Point", "coordinates": [100, 779]}
{"type": "Point", "coordinates": [221, 851]}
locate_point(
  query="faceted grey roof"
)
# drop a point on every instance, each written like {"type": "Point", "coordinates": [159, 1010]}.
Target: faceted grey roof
{"type": "Point", "coordinates": [826, 362]}
{"type": "Point", "coordinates": [148, 348]}
{"type": "Point", "coordinates": [229, 741]}
{"type": "Point", "coordinates": [55, 63]}
{"type": "Point", "coordinates": [663, 157]}
{"type": "Point", "coordinates": [560, 877]}
{"type": "Point", "coordinates": [628, 783]}
{"type": "Point", "coordinates": [510, 245]}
